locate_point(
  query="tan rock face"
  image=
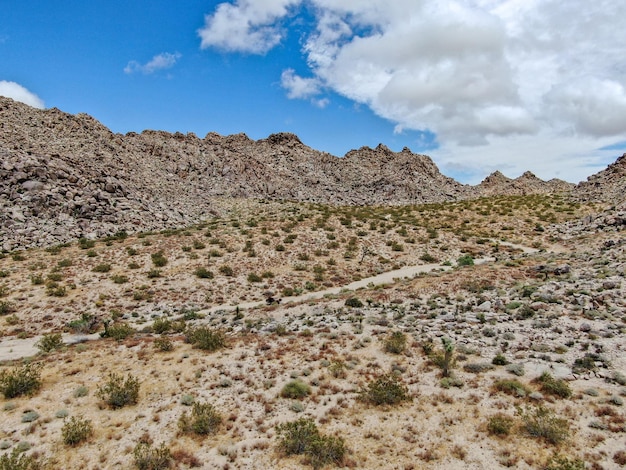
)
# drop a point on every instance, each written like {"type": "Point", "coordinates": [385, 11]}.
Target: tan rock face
{"type": "Point", "coordinates": [65, 176]}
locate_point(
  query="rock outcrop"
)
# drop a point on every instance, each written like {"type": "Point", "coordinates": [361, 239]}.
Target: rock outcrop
{"type": "Point", "coordinates": [66, 176]}
{"type": "Point", "coordinates": [608, 185]}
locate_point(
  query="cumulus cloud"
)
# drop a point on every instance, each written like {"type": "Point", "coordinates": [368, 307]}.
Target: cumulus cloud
{"type": "Point", "coordinates": [246, 26]}
{"type": "Point", "coordinates": [165, 60]}
{"type": "Point", "coordinates": [474, 72]}
{"type": "Point", "coordinates": [19, 93]}
{"type": "Point", "coordinates": [299, 87]}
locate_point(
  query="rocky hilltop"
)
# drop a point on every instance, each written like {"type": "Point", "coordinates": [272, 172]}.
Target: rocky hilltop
{"type": "Point", "coordinates": [607, 185]}
{"type": "Point", "coordinates": [496, 184]}
{"type": "Point", "coordinates": [65, 176]}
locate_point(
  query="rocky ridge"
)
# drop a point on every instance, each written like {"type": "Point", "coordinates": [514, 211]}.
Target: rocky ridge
{"type": "Point", "coordinates": [67, 176]}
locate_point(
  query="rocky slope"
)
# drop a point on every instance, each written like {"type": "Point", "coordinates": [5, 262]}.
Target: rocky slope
{"type": "Point", "coordinates": [498, 184]}
{"type": "Point", "coordinates": [65, 176]}
{"type": "Point", "coordinates": [607, 185]}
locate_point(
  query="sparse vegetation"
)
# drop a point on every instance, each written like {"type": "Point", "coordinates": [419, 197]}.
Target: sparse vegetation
{"type": "Point", "coordinates": [118, 392]}
{"type": "Point", "coordinates": [203, 419]}
{"type": "Point", "coordinates": [386, 390]}
{"type": "Point", "coordinates": [23, 380]}
{"type": "Point", "coordinates": [76, 430]}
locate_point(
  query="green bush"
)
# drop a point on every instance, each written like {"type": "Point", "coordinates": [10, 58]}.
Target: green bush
{"type": "Point", "coordinates": [76, 430]}
{"type": "Point", "coordinates": [163, 344]}
{"type": "Point", "coordinates": [295, 389]}
{"type": "Point", "coordinates": [395, 343]}
{"type": "Point", "coordinates": [353, 302]}
{"type": "Point", "coordinates": [558, 462]}
{"type": "Point", "coordinates": [542, 423]}
{"type": "Point", "coordinates": [500, 424]}
{"type": "Point", "coordinates": [511, 387]}
{"type": "Point", "coordinates": [253, 277]}
{"type": "Point", "coordinates": [117, 331]}
{"type": "Point", "coordinates": [117, 392]}
{"type": "Point", "coordinates": [302, 437]}
{"type": "Point", "coordinates": [204, 419]}
{"type": "Point", "coordinates": [6, 307]}
{"type": "Point", "coordinates": [205, 338]}
{"type": "Point", "coordinates": [552, 386]}
{"type": "Point", "coordinates": [148, 458]}
{"type": "Point", "coordinates": [203, 273]}
{"type": "Point", "coordinates": [102, 268]}
{"type": "Point", "coordinates": [24, 380]}
{"type": "Point", "coordinates": [161, 325]}
{"type": "Point", "coordinates": [325, 450]}
{"type": "Point", "coordinates": [158, 259]}
{"type": "Point", "coordinates": [386, 390]}
{"type": "Point", "coordinates": [50, 342]}
{"type": "Point", "coordinates": [296, 437]}
{"type": "Point", "coordinates": [17, 460]}
{"type": "Point", "coordinates": [499, 360]}
{"type": "Point", "coordinates": [226, 270]}
{"type": "Point", "coordinates": [465, 260]}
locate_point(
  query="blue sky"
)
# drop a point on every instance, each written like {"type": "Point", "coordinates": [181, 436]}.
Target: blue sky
{"type": "Point", "coordinates": [479, 85]}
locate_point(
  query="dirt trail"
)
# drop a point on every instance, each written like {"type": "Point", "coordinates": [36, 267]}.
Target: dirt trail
{"type": "Point", "coordinates": [13, 348]}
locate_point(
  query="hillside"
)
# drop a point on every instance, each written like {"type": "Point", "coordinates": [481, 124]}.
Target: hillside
{"type": "Point", "coordinates": [67, 176]}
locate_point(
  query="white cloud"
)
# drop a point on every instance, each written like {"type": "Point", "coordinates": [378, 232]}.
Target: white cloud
{"type": "Point", "coordinates": [161, 61]}
{"type": "Point", "coordinates": [299, 87]}
{"type": "Point", "coordinates": [247, 26]}
{"type": "Point", "coordinates": [19, 93]}
{"type": "Point", "coordinates": [500, 74]}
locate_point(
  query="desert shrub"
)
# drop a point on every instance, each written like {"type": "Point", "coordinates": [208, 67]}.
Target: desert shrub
{"type": "Point", "coordinates": [117, 392]}
{"type": "Point", "coordinates": [147, 457]}
{"type": "Point", "coordinates": [451, 381]}
{"type": "Point", "coordinates": [205, 338]}
{"type": "Point", "coordinates": [253, 277]}
{"type": "Point", "coordinates": [477, 367]}
{"type": "Point", "coordinates": [499, 360]}
{"type": "Point", "coordinates": [296, 437]}
{"type": "Point", "coordinates": [511, 387]}
{"type": "Point", "coordinates": [500, 424]}
{"type": "Point", "coordinates": [163, 344]}
{"type": "Point", "coordinates": [353, 302]}
{"type": "Point", "coordinates": [102, 268]}
{"type": "Point", "coordinates": [81, 391]}
{"type": "Point", "coordinates": [17, 460]}
{"type": "Point", "coordinates": [6, 307]}
{"type": "Point", "coordinates": [302, 437]}
{"type": "Point", "coordinates": [542, 423]}
{"type": "Point", "coordinates": [50, 342]}
{"type": "Point", "coordinates": [203, 273]}
{"type": "Point", "coordinates": [395, 343]}
{"type": "Point", "coordinates": [557, 462]}
{"type": "Point", "coordinates": [325, 450]}
{"type": "Point", "coordinates": [337, 369]}
{"type": "Point", "coordinates": [465, 260]}
{"type": "Point", "coordinates": [153, 274]}
{"type": "Point", "coordinates": [385, 390]}
{"type": "Point", "coordinates": [161, 325]}
{"type": "Point", "coordinates": [117, 331]}
{"type": "Point", "coordinates": [158, 259]}
{"type": "Point", "coordinates": [119, 279]}
{"type": "Point", "coordinates": [295, 389]}
{"type": "Point", "coordinates": [76, 430]}
{"type": "Point", "coordinates": [226, 270]}
{"type": "Point", "coordinates": [204, 419]}
{"type": "Point", "coordinates": [428, 258]}
{"type": "Point", "coordinates": [29, 416]}
{"type": "Point", "coordinates": [552, 386]}
{"type": "Point", "coordinates": [516, 369]}
{"type": "Point", "coordinates": [24, 380]}
{"type": "Point", "coordinates": [85, 244]}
